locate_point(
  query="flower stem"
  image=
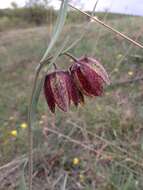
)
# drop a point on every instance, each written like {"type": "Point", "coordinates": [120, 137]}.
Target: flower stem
{"type": "Point", "coordinates": [70, 55]}
{"type": "Point", "coordinates": [30, 134]}
{"type": "Point", "coordinates": [55, 66]}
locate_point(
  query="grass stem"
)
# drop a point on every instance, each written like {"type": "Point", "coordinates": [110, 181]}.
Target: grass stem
{"type": "Point", "coordinates": [108, 27]}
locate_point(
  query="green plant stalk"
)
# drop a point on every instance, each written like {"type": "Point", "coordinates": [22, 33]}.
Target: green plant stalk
{"type": "Point", "coordinates": [30, 134]}
{"type": "Point", "coordinates": [42, 63]}
{"type": "Point", "coordinates": [69, 55]}
{"type": "Point", "coordinates": [56, 32]}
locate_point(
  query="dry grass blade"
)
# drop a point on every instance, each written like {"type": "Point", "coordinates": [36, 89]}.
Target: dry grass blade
{"type": "Point", "coordinates": [108, 27]}
{"type": "Point", "coordinates": [87, 147]}
{"type": "Point", "coordinates": [64, 183]}
{"type": "Point", "coordinates": [107, 142]}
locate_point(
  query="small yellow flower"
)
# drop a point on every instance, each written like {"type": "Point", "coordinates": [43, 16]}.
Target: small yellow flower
{"type": "Point", "coordinates": [23, 125]}
{"type": "Point", "coordinates": [81, 177]}
{"type": "Point", "coordinates": [14, 133]}
{"type": "Point", "coordinates": [130, 73]}
{"type": "Point", "coordinates": [75, 161]}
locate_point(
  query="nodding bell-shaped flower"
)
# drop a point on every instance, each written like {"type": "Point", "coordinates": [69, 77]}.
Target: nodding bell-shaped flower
{"type": "Point", "coordinates": [90, 76]}
{"type": "Point", "coordinates": [60, 90]}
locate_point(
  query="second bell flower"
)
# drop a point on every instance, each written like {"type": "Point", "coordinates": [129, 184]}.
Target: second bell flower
{"type": "Point", "coordinates": [90, 76]}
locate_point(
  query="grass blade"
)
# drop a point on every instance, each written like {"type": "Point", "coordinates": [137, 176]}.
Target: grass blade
{"type": "Point", "coordinates": [60, 50]}
{"type": "Point", "coordinates": [65, 183]}
{"type": "Point", "coordinates": [58, 27]}
{"type": "Point", "coordinates": [129, 185]}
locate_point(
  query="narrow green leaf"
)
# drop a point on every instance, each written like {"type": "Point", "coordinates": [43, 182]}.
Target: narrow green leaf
{"type": "Point", "coordinates": [59, 50]}
{"type": "Point", "coordinates": [73, 44]}
{"type": "Point", "coordinates": [36, 97]}
{"type": "Point", "coordinates": [58, 27]}
{"type": "Point", "coordinates": [129, 185]}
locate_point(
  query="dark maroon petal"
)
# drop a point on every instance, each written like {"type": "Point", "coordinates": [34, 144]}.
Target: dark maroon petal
{"type": "Point", "coordinates": [72, 89]}
{"type": "Point", "coordinates": [85, 86]}
{"type": "Point", "coordinates": [96, 66]}
{"type": "Point", "coordinates": [60, 91]}
{"type": "Point", "coordinates": [87, 80]}
{"type": "Point", "coordinates": [49, 94]}
{"type": "Point", "coordinates": [95, 81]}
{"type": "Point", "coordinates": [82, 82]}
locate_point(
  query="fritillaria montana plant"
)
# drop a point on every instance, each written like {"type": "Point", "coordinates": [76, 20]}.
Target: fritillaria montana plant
{"type": "Point", "coordinates": [86, 76]}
